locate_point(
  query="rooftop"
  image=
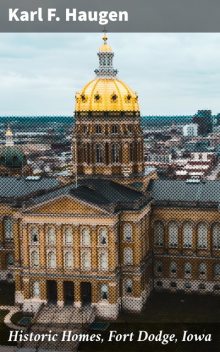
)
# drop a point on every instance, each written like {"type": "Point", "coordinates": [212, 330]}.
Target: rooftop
{"type": "Point", "coordinates": [20, 187]}
{"type": "Point", "coordinates": [174, 192]}
{"type": "Point", "coordinates": [100, 192]}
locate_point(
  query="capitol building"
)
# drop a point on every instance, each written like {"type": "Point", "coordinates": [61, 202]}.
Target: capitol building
{"type": "Point", "coordinates": [116, 233]}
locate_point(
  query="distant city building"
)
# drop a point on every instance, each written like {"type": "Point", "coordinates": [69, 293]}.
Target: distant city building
{"type": "Point", "coordinates": [190, 130]}
{"type": "Point", "coordinates": [198, 145]}
{"type": "Point", "coordinates": [204, 120]}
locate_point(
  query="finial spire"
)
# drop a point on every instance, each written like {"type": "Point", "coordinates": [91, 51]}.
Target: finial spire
{"type": "Point", "coordinates": [105, 38]}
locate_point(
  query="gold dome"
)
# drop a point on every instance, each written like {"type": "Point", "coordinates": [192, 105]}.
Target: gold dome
{"type": "Point", "coordinates": [8, 132]}
{"type": "Point", "coordinates": [106, 94]}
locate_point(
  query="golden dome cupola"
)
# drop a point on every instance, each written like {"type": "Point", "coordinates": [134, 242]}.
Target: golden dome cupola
{"type": "Point", "coordinates": [106, 93]}
{"type": "Point", "coordinates": [105, 55]}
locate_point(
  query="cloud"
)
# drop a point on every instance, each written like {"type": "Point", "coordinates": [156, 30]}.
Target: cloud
{"type": "Point", "coordinates": [172, 73]}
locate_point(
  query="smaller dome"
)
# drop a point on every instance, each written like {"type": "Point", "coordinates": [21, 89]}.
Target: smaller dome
{"type": "Point", "coordinates": [9, 132]}
{"type": "Point", "coordinates": [12, 157]}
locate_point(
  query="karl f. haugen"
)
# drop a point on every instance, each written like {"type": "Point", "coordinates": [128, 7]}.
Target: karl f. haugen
{"type": "Point", "coordinates": [69, 15]}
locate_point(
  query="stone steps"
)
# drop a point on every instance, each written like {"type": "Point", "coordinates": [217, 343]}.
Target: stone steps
{"type": "Point", "coordinates": [57, 319]}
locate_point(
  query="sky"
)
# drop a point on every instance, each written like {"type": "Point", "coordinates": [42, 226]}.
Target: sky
{"type": "Point", "coordinates": [173, 74]}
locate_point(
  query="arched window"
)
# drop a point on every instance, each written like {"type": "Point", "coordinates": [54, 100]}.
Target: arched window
{"type": "Point", "coordinates": [68, 236]}
{"type": "Point", "coordinates": [104, 292]}
{"type": "Point", "coordinates": [51, 260]}
{"type": "Point", "coordinates": [187, 235]}
{"type": "Point", "coordinates": [8, 228]}
{"type": "Point", "coordinates": [34, 235]}
{"type": "Point", "coordinates": [99, 153]}
{"type": "Point", "coordinates": [202, 235]}
{"type": "Point", "coordinates": [173, 268]}
{"type": "Point", "coordinates": [51, 236]}
{"type": "Point", "coordinates": [86, 260]}
{"type": "Point", "coordinates": [85, 237]}
{"type": "Point", "coordinates": [103, 237]}
{"type": "Point", "coordinates": [188, 269]}
{"type": "Point", "coordinates": [217, 269]}
{"type": "Point", "coordinates": [36, 289]}
{"type": "Point", "coordinates": [127, 232]}
{"type": "Point", "coordinates": [103, 261]}
{"type": "Point", "coordinates": [85, 129]}
{"type": "Point", "coordinates": [10, 259]}
{"type": "Point", "coordinates": [98, 129]}
{"type": "Point", "coordinates": [158, 267]}
{"type": "Point", "coordinates": [158, 234]}
{"type": "Point", "coordinates": [114, 129]}
{"type": "Point", "coordinates": [173, 235]}
{"type": "Point", "coordinates": [115, 154]}
{"type": "Point", "coordinates": [202, 269]}
{"type": "Point", "coordinates": [129, 128]}
{"type": "Point", "coordinates": [68, 260]}
{"type": "Point", "coordinates": [34, 258]}
{"type": "Point", "coordinates": [128, 286]}
{"type": "Point", "coordinates": [128, 256]}
{"type": "Point", "coordinates": [216, 236]}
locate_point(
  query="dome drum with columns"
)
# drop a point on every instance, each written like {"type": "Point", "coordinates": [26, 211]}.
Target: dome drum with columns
{"type": "Point", "coordinates": [108, 139]}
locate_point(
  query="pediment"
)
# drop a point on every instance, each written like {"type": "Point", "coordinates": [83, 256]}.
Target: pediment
{"type": "Point", "coordinates": [66, 205]}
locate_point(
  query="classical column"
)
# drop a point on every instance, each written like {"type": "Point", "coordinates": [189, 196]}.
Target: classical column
{"type": "Point", "coordinates": [77, 294]}
{"type": "Point", "coordinates": [18, 288]}
{"type": "Point", "coordinates": [59, 246]}
{"type": "Point", "coordinates": [77, 246]}
{"type": "Point", "coordinates": [60, 295]}
{"type": "Point", "coordinates": [94, 251]}
{"type": "Point", "coordinates": [43, 290]}
{"type": "Point", "coordinates": [194, 237]}
{"type": "Point", "coordinates": [210, 240]}
{"type": "Point", "coordinates": [25, 245]}
{"type": "Point", "coordinates": [180, 236]}
{"type": "Point", "coordinates": [125, 153]}
{"type": "Point", "coordinates": [113, 293]}
{"type": "Point", "coordinates": [42, 241]}
{"type": "Point", "coordinates": [18, 285]}
{"type": "Point", "coordinates": [137, 241]}
{"type": "Point", "coordinates": [16, 238]}
{"type": "Point", "coordinates": [112, 249]}
{"type": "Point", "coordinates": [26, 288]}
{"type": "Point", "coordinates": [147, 234]}
{"type": "Point", "coordinates": [166, 237]}
{"type": "Point", "coordinates": [136, 287]}
{"type": "Point", "coordinates": [94, 292]}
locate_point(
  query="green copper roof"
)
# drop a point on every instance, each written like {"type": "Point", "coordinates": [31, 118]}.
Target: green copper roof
{"type": "Point", "coordinates": [12, 157]}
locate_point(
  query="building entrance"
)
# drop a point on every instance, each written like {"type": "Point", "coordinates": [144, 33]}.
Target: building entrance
{"type": "Point", "coordinates": [68, 293]}
{"type": "Point", "coordinates": [86, 293]}
{"type": "Point", "coordinates": [51, 292]}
